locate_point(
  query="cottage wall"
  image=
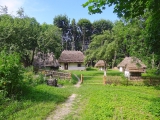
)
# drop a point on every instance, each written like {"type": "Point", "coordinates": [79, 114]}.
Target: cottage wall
{"type": "Point", "coordinates": [73, 66]}
{"type": "Point", "coordinates": [127, 74]}
{"type": "Point", "coordinates": [121, 69]}
{"type": "Point", "coordinates": [101, 68]}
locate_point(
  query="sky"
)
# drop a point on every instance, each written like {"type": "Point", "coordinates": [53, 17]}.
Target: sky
{"type": "Point", "coordinates": [46, 10]}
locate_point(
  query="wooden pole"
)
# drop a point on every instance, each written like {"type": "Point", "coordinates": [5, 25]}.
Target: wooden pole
{"type": "Point", "coordinates": [81, 78]}
{"type": "Point", "coordinates": [104, 79]}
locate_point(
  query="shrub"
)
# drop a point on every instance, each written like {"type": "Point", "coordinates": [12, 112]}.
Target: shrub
{"type": "Point", "coordinates": [32, 79]}
{"type": "Point", "coordinates": [91, 69]}
{"type": "Point", "coordinates": [11, 73]}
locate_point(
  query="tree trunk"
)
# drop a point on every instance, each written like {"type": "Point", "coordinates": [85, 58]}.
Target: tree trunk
{"type": "Point", "coordinates": [105, 68]}
{"type": "Point", "coordinates": [26, 61]}
{"type": "Point", "coordinates": [32, 59]}
{"type": "Point", "coordinates": [153, 61]}
{"type": "Point", "coordinates": [83, 39]}
{"type": "Point", "coordinates": [114, 60]}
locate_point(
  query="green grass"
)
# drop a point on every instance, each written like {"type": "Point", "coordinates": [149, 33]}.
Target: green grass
{"type": "Point", "coordinates": [37, 103]}
{"type": "Point", "coordinates": [110, 102]}
{"type": "Point", "coordinates": [93, 102]}
{"type": "Point", "coordinates": [96, 77]}
{"type": "Point", "coordinates": [107, 102]}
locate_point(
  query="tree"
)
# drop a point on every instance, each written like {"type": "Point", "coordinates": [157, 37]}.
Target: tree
{"type": "Point", "coordinates": [20, 13]}
{"type": "Point", "coordinates": [63, 22]}
{"type": "Point", "coordinates": [50, 40]}
{"type": "Point", "coordinates": [85, 28]}
{"type": "Point", "coordinates": [102, 47]}
{"type": "Point", "coordinates": [100, 25]}
{"type": "Point", "coordinates": [6, 32]}
{"type": "Point", "coordinates": [123, 8]}
{"type": "Point", "coordinates": [3, 10]}
{"type": "Point", "coordinates": [25, 38]}
{"type": "Point", "coordinates": [19, 35]}
{"type": "Point", "coordinates": [74, 34]}
{"type": "Point", "coordinates": [147, 10]}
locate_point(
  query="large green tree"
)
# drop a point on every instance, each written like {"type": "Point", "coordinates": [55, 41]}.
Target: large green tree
{"type": "Point", "coordinates": [102, 47]}
{"type": "Point", "coordinates": [85, 27]}
{"type": "Point", "coordinates": [25, 38]}
{"type": "Point", "coordinates": [50, 39]}
{"type": "Point", "coordinates": [100, 25]}
{"type": "Point", "coordinates": [63, 22]}
{"type": "Point", "coordinates": [124, 8]}
{"type": "Point", "coordinates": [147, 11]}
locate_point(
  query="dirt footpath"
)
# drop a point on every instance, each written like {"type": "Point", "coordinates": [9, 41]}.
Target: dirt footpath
{"type": "Point", "coordinates": [64, 109]}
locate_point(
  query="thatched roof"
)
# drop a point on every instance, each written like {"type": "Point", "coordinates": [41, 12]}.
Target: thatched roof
{"type": "Point", "coordinates": [100, 63]}
{"type": "Point", "coordinates": [45, 60]}
{"type": "Point", "coordinates": [71, 56]}
{"type": "Point", "coordinates": [132, 64]}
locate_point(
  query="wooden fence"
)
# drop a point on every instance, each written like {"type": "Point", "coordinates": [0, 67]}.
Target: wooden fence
{"type": "Point", "coordinates": [118, 80]}
{"type": "Point", "coordinates": [146, 81]}
{"type": "Point", "coordinates": [58, 75]}
{"type": "Point", "coordinates": [91, 79]}
{"type": "Point", "coordinates": [100, 79]}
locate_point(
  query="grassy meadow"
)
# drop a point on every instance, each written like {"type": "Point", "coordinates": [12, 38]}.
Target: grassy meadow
{"type": "Point", "coordinates": [93, 101]}
{"type": "Point", "coordinates": [107, 102]}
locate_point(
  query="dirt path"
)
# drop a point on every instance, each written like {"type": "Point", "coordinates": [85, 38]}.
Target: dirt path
{"type": "Point", "coordinates": [64, 109]}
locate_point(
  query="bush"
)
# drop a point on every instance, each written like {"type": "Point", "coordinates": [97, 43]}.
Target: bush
{"type": "Point", "coordinates": [11, 73]}
{"type": "Point", "coordinates": [91, 69]}
{"type": "Point", "coordinates": [32, 79]}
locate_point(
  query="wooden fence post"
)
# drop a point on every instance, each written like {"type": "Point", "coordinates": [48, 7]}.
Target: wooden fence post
{"type": "Point", "coordinates": [81, 78]}
{"type": "Point", "coordinates": [104, 79]}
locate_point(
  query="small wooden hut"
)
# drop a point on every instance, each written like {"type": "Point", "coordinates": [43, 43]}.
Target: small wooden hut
{"type": "Point", "coordinates": [71, 60]}
{"type": "Point", "coordinates": [132, 67]}
{"type": "Point", "coordinates": [100, 65]}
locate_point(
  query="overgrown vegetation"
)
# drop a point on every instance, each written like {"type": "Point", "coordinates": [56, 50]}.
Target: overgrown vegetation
{"type": "Point", "coordinates": [11, 75]}
{"type": "Point", "coordinates": [36, 99]}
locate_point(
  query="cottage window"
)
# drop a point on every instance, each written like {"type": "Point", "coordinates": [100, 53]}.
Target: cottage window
{"type": "Point", "coordinates": [79, 65]}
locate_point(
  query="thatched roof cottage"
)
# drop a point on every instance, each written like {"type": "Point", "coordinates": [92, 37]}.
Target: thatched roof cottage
{"type": "Point", "coordinates": [47, 60]}
{"type": "Point", "coordinates": [100, 64]}
{"type": "Point", "coordinates": [132, 67]}
{"type": "Point", "coordinates": [71, 60]}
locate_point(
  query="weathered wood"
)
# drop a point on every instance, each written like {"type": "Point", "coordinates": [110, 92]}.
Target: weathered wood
{"type": "Point", "coordinates": [52, 82]}
{"type": "Point", "coordinates": [58, 75]}
{"type": "Point", "coordinates": [81, 78]}
{"type": "Point", "coordinates": [104, 79]}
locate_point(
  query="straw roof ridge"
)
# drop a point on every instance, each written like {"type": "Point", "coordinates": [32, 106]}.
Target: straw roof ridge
{"type": "Point", "coordinates": [131, 63]}
{"type": "Point", "coordinates": [100, 63]}
{"type": "Point", "coordinates": [43, 60]}
{"type": "Point", "coordinates": [71, 56]}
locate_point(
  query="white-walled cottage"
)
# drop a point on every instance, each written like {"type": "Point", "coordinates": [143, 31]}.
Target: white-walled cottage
{"type": "Point", "coordinates": [132, 67]}
{"type": "Point", "coordinates": [100, 65]}
{"type": "Point", "coordinates": [71, 60]}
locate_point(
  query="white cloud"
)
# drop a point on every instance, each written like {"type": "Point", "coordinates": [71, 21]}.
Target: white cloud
{"type": "Point", "coordinates": [12, 5]}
